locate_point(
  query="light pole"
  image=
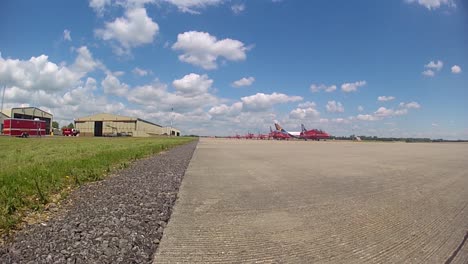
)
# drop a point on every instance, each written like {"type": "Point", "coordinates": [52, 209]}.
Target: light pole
{"type": "Point", "coordinates": [1, 108]}
{"type": "Point", "coordinates": [172, 117]}
{"type": "Point", "coordinates": [3, 98]}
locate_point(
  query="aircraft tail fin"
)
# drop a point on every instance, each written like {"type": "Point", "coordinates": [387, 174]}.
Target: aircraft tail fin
{"type": "Point", "coordinates": [278, 127]}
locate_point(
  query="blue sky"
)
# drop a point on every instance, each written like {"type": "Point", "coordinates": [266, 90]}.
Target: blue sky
{"type": "Point", "coordinates": [385, 68]}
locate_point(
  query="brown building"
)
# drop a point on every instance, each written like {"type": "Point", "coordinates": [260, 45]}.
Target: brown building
{"type": "Point", "coordinates": [109, 124]}
{"type": "Point", "coordinates": [2, 117]}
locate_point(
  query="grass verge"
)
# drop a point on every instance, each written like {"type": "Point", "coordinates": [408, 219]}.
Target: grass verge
{"type": "Point", "coordinates": [34, 170]}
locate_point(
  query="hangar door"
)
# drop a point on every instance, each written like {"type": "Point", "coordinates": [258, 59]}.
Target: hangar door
{"type": "Point", "coordinates": [98, 128]}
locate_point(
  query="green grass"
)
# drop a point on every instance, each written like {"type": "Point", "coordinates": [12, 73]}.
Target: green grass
{"type": "Point", "coordinates": [35, 171]}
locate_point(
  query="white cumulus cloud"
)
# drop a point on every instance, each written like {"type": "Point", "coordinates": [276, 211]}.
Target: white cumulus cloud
{"type": "Point", "coordinates": [225, 110]}
{"type": "Point", "coordinates": [335, 107]}
{"type": "Point", "coordinates": [191, 6]}
{"type": "Point", "coordinates": [352, 87]}
{"type": "Point", "coordinates": [112, 85]}
{"type": "Point", "coordinates": [99, 5]}
{"type": "Point", "coordinates": [367, 117]}
{"type": "Point", "coordinates": [67, 35]}
{"type": "Point", "coordinates": [193, 84]}
{"type": "Point", "coordinates": [307, 105]}
{"type": "Point", "coordinates": [139, 72]}
{"type": "Point", "coordinates": [456, 69]}
{"type": "Point", "coordinates": [78, 95]}
{"type": "Point", "coordinates": [433, 4]}
{"type": "Point", "coordinates": [37, 73]}
{"type": "Point", "coordinates": [202, 49]}
{"type": "Point", "coordinates": [237, 9]}
{"type": "Point", "coordinates": [323, 120]}
{"type": "Point", "coordinates": [340, 120]}
{"type": "Point", "coordinates": [411, 105]}
{"type": "Point", "coordinates": [85, 62]}
{"type": "Point", "coordinates": [435, 65]}
{"type": "Point", "coordinates": [315, 88]}
{"type": "Point", "coordinates": [156, 97]}
{"type": "Point", "coordinates": [262, 102]}
{"type": "Point", "coordinates": [428, 73]}
{"type": "Point", "coordinates": [384, 112]}
{"type": "Point", "coordinates": [246, 81]}
{"type": "Point", "coordinates": [385, 98]}
{"type": "Point", "coordinates": [59, 89]}
{"type": "Point", "coordinates": [304, 113]}
{"type": "Point", "coordinates": [432, 67]}
{"type": "Point", "coordinates": [134, 29]}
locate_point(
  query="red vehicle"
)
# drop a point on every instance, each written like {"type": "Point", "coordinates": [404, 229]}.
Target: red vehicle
{"type": "Point", "coordinates": [70, 132]}
{"type": "Point", "coordinates": [24, 127]}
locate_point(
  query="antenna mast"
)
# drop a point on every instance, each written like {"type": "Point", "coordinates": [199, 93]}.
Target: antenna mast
{"type": "Point", "coordinates": [3, 97]}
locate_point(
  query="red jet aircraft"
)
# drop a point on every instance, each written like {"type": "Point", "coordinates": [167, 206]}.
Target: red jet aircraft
{"type": "Point", "coordinates": [279, 135]}
{"type": "Point", "coordinates": [236, 136]}
{"type": "Point", "coordinates": [249, 136]}
{"type": "Point", "coordinates": [262, 136]}
{"type": "Point", "coordinates": [313, 134]}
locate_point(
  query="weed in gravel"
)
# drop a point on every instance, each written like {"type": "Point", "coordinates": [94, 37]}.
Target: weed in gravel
{"type": "Point", "coordinates": [39, 191]}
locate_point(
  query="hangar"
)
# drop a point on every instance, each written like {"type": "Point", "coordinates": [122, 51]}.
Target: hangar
{"type": "Point", "coordinates": [2, 117]}
{"type": "Point", "coordinates": [33, 113]}
{"type": "Point", "coordinates": [108, 124]}
{"type": "Point", "coordinates": [171, 131]}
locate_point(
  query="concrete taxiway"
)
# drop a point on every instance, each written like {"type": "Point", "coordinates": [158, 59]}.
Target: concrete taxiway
{"type": "Point", "coordinates": [249, 201]}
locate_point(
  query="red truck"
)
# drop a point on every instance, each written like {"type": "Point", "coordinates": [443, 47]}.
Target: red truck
{"type": "Point", "coordinates": [24, 127]}
{"type": "Point", "coordinates": [70, 132]}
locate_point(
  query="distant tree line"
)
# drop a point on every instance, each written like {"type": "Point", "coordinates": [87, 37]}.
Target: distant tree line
{"type": "Point", "coordinates": [393, 139]}
{"type": "Point", "coordinates": [56, 125]}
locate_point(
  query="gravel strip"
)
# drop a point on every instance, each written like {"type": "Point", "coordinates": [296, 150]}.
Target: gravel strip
{"type": "Point", "coordinates": [118, 220]}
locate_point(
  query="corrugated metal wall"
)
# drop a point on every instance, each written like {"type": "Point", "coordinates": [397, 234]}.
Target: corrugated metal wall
{"type": "Point", "coordinates": [112, 124]}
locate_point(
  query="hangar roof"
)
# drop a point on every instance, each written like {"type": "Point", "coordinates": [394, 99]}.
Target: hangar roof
{"type": "Point", "coordinates": [111, 117]}
{"type": "Point", "coordinates": [31, 111]}
{"type": "Point", "coordinates": [4, 115]}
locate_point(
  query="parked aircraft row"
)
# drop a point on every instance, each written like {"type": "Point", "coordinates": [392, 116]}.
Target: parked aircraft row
{"type": "Point", "coordinates": [281, 134]}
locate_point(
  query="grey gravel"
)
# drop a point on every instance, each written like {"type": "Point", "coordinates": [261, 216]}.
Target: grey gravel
{"type": "Point", "coordinates": [118, 220]}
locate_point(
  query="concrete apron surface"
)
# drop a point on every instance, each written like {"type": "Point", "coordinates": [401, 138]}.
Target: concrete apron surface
{"type": "Point", "coordinates": [253, 201]}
